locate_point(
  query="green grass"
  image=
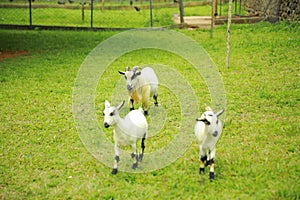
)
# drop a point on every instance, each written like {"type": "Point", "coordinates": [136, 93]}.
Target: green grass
{"type": "Point", "coordinates": [120, 18]}
{"type": "Point", "coordinates": [73, 17]}
{"type": "Point", "coordinates": [258, 156]}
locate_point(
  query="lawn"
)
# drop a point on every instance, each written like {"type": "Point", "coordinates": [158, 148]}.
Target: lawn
{"type": "Point", "coordinates": [43, 157]}
{"type": "Point", "coordinates": [123, 17]}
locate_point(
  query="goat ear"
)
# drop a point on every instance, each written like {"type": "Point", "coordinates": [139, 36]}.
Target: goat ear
{"type": "Point", "coordinates": [123, 73]}
{"type": "Point", "coordinates": [107, 104]}
{"type": "Point", "coordinates": [220, 112]}
{"type": "Point", "coordinates": [138, 73]}
{"type": "Point", "coordinates": [121, 105]}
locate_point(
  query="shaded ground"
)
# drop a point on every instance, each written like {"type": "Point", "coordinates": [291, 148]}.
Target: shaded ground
{"type": "Point", "coordinates": [11, 54]}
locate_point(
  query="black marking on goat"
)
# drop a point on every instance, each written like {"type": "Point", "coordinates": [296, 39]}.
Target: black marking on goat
{"type": "Point", "coordinates": [217, 121]}
{"type": "Point", "coordinates": [135, 165]}
{"type": "Point", "coordinates": [145, 112]}
{"type": "Point", "coordinates": [209, 162]}
{"type": "Point", "coordinates": [132, 155]}
{"type": "Point", "coordinates": [143, 143]}
{"type": "Point", "coordinates": [106, 125]}
{"type": "Point", "coordinates": [155, 100]}
{"type": "Point", "coordinates": [203, 120]}
{"type": "Point", "coordinates": [123, 73]}
{"type": "Point", "coordinates": [143, 148]}
{"type": "Point", "coordinates": [211, 175]}
{"type": "Point", "coordinates": [203, 158]}
{"type": "Point", "coordinates": [201, 170]}
{"type": "Point", "coordinates": [133, 76]}
{"type": "Point", "coordinates": [132, 101]}
{"type": "Point", "coordinates": [215, 134]}
{"type": "Point", "coordinates": [129, 88]}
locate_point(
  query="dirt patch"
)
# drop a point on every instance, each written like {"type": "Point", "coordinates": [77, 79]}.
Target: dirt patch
{"type": "Point", "coordinates": [11, 54]}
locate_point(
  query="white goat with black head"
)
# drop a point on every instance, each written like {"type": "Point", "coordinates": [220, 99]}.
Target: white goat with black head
{"type": "Point", "coordinates": [208, 130]}
{"type": "Point", "coordinates": [127, 131]}
{"type": "Point", "coordinates": [141, 85]}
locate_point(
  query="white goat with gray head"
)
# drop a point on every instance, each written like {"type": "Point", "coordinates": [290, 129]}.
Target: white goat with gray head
{"type": "Point", "coordinates": [141, 85]}
{"type": "Point", "coordinates": [127, 131]}
{"type": "Point", "coordinates": [208, 130]}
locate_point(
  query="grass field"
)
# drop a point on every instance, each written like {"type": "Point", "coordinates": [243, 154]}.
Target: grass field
{"type": "Point", "coordinates": [258, 156]}
{"type": "Point", "coordinates": [107, 18]}
{"type": "Point", "coordinates": [125, 17]}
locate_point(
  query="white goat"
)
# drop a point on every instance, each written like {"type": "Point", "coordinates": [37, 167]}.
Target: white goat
{"type": "Point", "coordinates": [141, 85]}
{"type": "Point", "coordinates": [208, 130]}
{"type": "Point", "coordinates": [126, 131]}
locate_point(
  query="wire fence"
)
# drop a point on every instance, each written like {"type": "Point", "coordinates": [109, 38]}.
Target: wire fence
{"type": "Point", "coordinates": [102, 13]}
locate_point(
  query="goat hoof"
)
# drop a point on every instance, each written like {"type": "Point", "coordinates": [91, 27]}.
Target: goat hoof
{"type": "Point", "coordinates": [114, 171]}
{"type": "Point", "coordinates": [211, 175]}
{"type": "Point", "coordinates": [134, 166]}
{"type": "Point", "coordinates": [201, 170]}
{"type": "Point", "coordinates": [156, 104]}
{"type": "Point", "coordinates": [146, 112]}
{"type": "Point", "coordinates": [141, 157]}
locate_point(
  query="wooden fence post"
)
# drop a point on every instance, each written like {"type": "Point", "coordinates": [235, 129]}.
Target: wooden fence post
{"type": "Point", "coordinates": [228, 33]}
{"type": "Point", "coordinates": [212, 18]}
{"type": "Point", "coordinates": [181, 11]}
